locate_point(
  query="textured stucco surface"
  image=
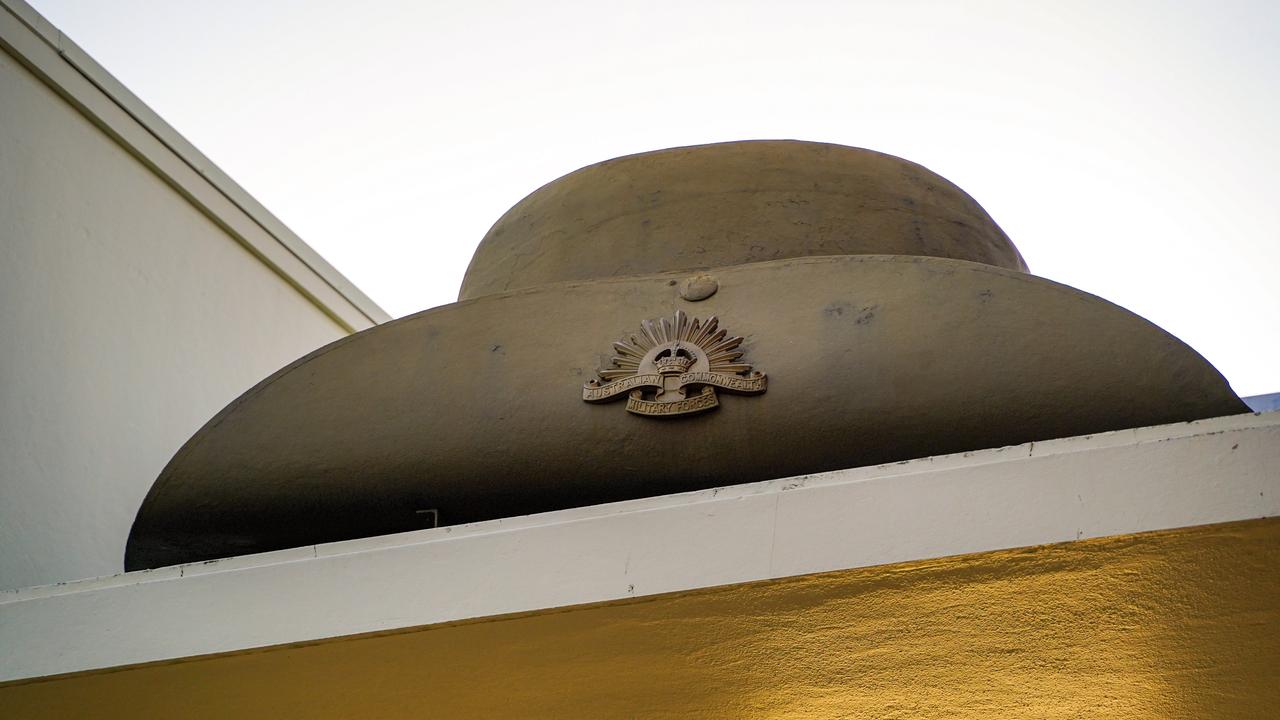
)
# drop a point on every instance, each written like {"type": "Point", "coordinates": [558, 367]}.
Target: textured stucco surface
{"type": "Point", "coordinates": [1175, 624]}
{"type": "Point", "coordinates": [128, 317]}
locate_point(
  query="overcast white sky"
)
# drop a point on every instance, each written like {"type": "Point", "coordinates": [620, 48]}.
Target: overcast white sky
{"type": "Point", "coordinates": [1128, 148]}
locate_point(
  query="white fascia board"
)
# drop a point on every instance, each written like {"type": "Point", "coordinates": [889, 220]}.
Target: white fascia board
{"type": "Point", "coordinates": [1188, 474]}
{"type": "Point", "coordinates": [70, 72]}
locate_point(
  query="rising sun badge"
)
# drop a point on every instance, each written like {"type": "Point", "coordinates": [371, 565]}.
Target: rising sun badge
{"type": "Point", "coordinates": [673, 367]}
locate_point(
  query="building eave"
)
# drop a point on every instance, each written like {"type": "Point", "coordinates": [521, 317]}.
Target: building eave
{"type": "Point", "coordinates": [69, 71]}
{"type": "Point", "coordinates": [1060, 491]}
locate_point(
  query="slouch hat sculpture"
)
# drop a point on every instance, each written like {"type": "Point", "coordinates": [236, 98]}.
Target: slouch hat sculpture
{"type": "Point", "coordinates": [758, 309]}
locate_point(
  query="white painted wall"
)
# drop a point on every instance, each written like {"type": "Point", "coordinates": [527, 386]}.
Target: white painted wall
{"type": "Point", "coordinates": [128, 316]}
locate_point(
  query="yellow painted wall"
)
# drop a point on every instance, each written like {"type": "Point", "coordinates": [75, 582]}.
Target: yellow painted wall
{"type": "Point", "coordinates": [1177, 624]}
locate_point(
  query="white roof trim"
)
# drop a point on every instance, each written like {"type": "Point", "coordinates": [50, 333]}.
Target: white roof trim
{"type": "Point", "coordinates": [66, 68]}
{"type": "Point", "coordinates": [1156, 478]}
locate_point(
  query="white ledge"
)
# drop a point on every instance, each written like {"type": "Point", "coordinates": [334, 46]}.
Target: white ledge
{"type": "Point", "coordinates": [1155, 478]}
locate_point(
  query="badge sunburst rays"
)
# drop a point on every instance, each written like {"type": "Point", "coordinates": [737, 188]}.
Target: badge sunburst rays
{"type": "Point", "coordinates": [674, 366]}
{"type": "Point", "coordinates": [720, 348]}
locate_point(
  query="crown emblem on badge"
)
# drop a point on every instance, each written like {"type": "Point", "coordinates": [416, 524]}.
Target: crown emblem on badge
{"type": "Point", "coordinates": [673, 367]}
{"type": "Point", "coordinates": [675, 361]}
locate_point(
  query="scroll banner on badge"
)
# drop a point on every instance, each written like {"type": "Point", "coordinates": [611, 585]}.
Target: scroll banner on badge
{"type": "Point", "coordinates": [704, 401]}
{"type": "Point", "coordinates": [731, 383]}
{"type": "Point", "coordinates": [600, 393]}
